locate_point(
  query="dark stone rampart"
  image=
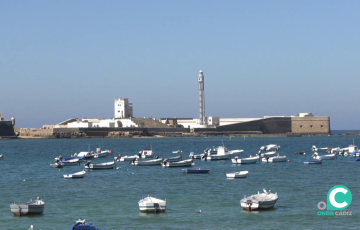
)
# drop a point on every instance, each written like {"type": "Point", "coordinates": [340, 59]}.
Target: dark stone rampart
{"type": "Point", "coordinates": [6, 129]}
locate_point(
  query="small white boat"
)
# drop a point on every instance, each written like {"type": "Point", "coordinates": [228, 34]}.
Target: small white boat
{"type": "Point", "coordinates": [315, 149]}
{"type": "Point", "coordinates": [195, 156]}
{"type": "Point", "coordinates": [75, 175]}
{"type": "Point", "coordinates": [324, 157]}
{"type": "Point", "coordinates": [270, 146]}
{"type": "Point", "coordinates": [126, 158]}
{"type": "Point", "coordinates": [241, 174]}
{"type": "Point", "coordinates": [259, 201]}
{"type": "Point", "coordinates": [84, 155]}
{"type": "Point", "coordinates": [222, 154]}
{"type": "Point", "coordinates": [33, 207]}
{"type": "Point", "coordinates": [183, 163]}
{"type": "Point", "coordinates": [137, 162]}
{"type": "Point", "coordinates": [71, 162]}
{"type": "Point", "coordinates": [177, 151]}
{"type": "Point", "coordinates": [248, 160]}
{"type": "Point", "coordinates": [57, 164]}
{"type": "Point", "coordinates": [173, 159]}
{"type": "Point", "coordinates": [146, 153]}
{"type": "Point", "coordinates": [235, 152]}
{"type": "Point", "coordinates": [267, 154]}
{"type": "Point", "coordinates": [152, 204]}
{"type": "Point", "coordinates": [274, 159]}
{"type": "Point", "coordinates": [107, 165]}
{"type": "Point", "coordinates": [99, 153]}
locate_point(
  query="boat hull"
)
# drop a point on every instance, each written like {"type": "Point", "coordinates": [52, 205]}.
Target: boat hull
{"type": "Point", "coordinates": [245, 160]}
{"type": "Point", "coordinates": [218, 157]}
{"type": "Point", "coordinates": [240, 174]}
{"type": "Point", "coordinates": [101, 166]}
{"type": "Point", "coordinates": [200, 171]}
{"type": "Point", "coordinates": [128, 158]}
{"type": "Point", "coordinates": [147, 163]}
{"type": "Point", "coordinates": [75, 175]}
{"type": "Point", "coordinates": [259, 206]}
{"type": "Point", "coordinates": [151, 204]}
{"type": "Point", "coordinates": [313, 162]}
{"type": "Point", "coordinates": [325, 157]}
{"type": "Point", "coordinates": [27, 209]}
{"type": "Point", "coordinates": [56, 165]}
{"type": "Point", "coordinates": [177, 164]}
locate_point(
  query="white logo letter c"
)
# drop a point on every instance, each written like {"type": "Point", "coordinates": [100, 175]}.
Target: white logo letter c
{"type": "Point", "coordinates": [332, 197]}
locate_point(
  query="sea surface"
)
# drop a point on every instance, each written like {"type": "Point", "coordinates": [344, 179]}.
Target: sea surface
{"type": "Point", "coordinates": [109, 198]}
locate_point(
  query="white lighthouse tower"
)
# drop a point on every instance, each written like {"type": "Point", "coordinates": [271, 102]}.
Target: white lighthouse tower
{"type": "Point", "coordinates": [202, 119]}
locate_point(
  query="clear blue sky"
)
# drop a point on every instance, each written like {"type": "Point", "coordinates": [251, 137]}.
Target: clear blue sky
{"type": "Point", "coordinates": [71, 59]}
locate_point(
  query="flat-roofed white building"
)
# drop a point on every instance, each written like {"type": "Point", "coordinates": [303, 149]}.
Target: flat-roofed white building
{"type": "Point", "coordinates": [123, 108]}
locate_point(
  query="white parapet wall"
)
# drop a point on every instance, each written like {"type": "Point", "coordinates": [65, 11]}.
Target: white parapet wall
{"type": "Point", "coordinates": [101, 123]}
{"type": "Point", "coordinates": [79, 125]}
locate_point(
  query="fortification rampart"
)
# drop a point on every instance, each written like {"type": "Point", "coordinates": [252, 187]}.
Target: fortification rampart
{"type": "Point", "coordinates": [310, 125]}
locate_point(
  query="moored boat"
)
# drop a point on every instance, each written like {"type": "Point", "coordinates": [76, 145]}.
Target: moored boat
{"type": "Point", "coordinates": [195, 170]}
{"type": "Point", "coordinates": [241, 174]}
{"type": "Point", "coordinates": [125, 158]}
{"type": "Point", "coordinates": [75, 175]}
{"type": "Point", "coordinates": [107, 165]}
{"type": "Point", "coordinates": [84, 155]}
{"type": "Point", "coordinates": [222, 154]}
{"type": "Point", "coordinates": [177, 151]}
{"type": "Point", "coordinates": [146, 153]}
{"type": "Point", "coordinates": [313, 162]}
{"type": "Point", "coordinates": [235, 152]}
{"type": "Point", "coordinates": [274, 159]}
{"type": "Point", "coordinates": [57, 164]}
{"type": "Point", "coordinates": [195, 156]}
{"type": "Point", "coordinates": [324, 157]}
{"type": "Point", "coordinates": [152, 204]}
{"type": "Point", "coordinates": [81, 225]}
{"type": "Point", "coordinates": [71, 162]}
{"type": "Point", "coordinates": [270, 146]}
{"type": "Point", "coordinates": [248, 160]}
{"type": "Point", "coordinates": [173, 159]}
{"type": "Point", "coordinates": [265, 200]}
{"type": "Point", "coordinates": [99, 153]}
{"type": "Point", "coordinates": [267, 154]}
{"type": "Point", "coordinates": [33, 207]}
{"type": "Point", "coordinates": [300, 153]}
{"type": "Point", "coordinates": [137, 162]}
{"type": "Point", "coordinates": [183, 163]}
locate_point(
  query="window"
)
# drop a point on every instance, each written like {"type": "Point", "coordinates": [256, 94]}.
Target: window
{"type": "Point", "coordinates": [300, 126]}
{"type": "Point", "coordinates": [310, 126]}
{"type": "Point", "coordinates": [322, 126]}
{"type": "Point", "coordinates": [118, 111]}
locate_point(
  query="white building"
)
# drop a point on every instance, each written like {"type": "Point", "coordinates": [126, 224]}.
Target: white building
{"type": "Point", "coordinates": [123, 108]}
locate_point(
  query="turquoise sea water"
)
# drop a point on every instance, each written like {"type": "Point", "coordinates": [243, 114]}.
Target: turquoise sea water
{"type": "Point", "coordinates": [109, 198]}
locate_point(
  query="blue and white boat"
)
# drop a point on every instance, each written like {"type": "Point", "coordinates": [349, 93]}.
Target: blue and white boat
{"type": "Point", "coordinates": [195, 170]}
{"type": "Point", "coordinates": [81, 225]}
{"type": "Point", "coordinates": [75, 175]}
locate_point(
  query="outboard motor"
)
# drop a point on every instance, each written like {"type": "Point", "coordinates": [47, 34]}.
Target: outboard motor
{"type": "Point", "coordinates": [88, 163]}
